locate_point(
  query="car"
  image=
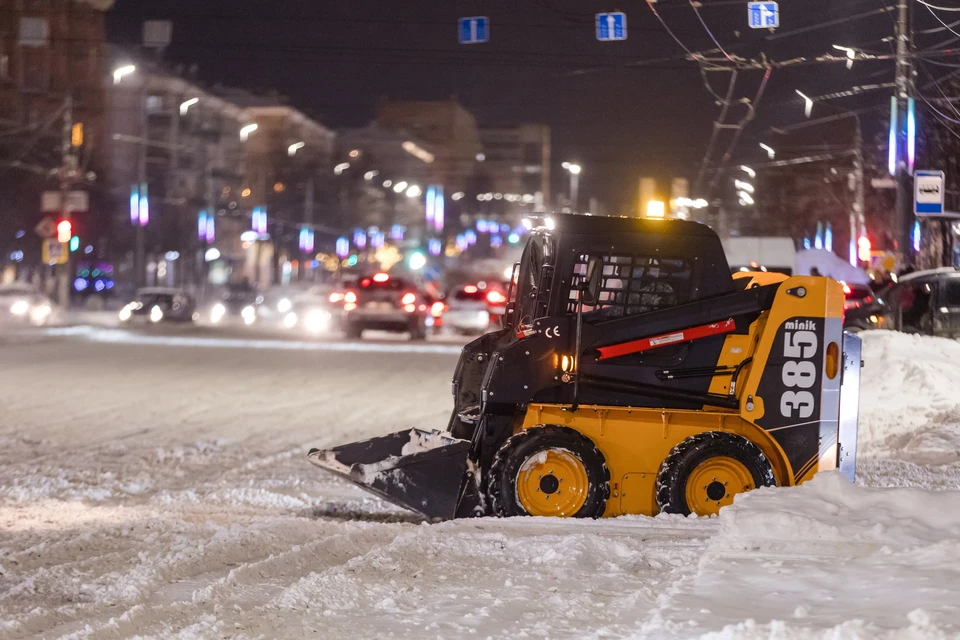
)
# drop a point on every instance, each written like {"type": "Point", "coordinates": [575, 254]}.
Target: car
{"type": "Point", "coordinates": [470, 309]}
{"type": "Point", "coordinates": [22, 303]}
{"type": "Point", "coordinates": [862, 308]}
{"type": "Point", "coordinates": [925, 302]}
{"type": "Point", "coordinates": [237, 304]}
{"type": "Point", "coordinates": [386, 303]}
{"type": "Point", "coordinates": [159, 304]}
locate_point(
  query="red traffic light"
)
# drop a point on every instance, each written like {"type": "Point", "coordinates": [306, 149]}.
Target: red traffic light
{"type": "Point", "coordinates": [64, 231]}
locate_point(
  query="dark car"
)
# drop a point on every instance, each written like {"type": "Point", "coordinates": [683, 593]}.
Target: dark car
{"type": "Point", "coordinates": [159, 304]}
{"type": "Point", "coordinates": [386, 303]}
{"type": "Point", "coordinates": [926, 302]}
{"type": "Point", "coordinates": [237, 304]}
{"type": "Point", "coordinates": [862, 308]}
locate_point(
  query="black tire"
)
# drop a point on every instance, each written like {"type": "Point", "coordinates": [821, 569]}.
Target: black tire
{"type": "Point", "coordinates": [353, 330]}
{"type": "Point", "coordinates": [676, 468]}
{"type": "Point", "coordinates": [521, 447]}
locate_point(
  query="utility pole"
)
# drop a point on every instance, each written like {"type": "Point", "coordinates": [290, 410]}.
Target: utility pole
{"type": "Point", "coordinates": [858, 224]}
{"type": "Point", "coordinates": [139, 259]}
{"type": "Point", "coordinates": [68, 169]}
{"type": "Point", "coordinates": [903, 81]}
{"type": "Point", "coordinates": [308, 223]}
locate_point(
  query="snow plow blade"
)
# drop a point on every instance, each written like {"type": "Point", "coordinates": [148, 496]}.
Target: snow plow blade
{"type": "Point", "coordinates": [419, 470]}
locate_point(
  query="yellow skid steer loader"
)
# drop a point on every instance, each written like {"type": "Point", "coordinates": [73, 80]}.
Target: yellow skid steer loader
{"type": "Point", "coordinates": [633, 375]}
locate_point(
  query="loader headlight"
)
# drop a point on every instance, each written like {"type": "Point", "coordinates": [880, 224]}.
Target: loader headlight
{"type": "Point", "coordinates": [217, 313]}
{"type": "Point", "coordinates": [567, 364]}
{"type": "Point", "coordinates": [833, 360]}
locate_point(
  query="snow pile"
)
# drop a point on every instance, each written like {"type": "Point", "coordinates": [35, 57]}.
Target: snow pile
{"type": "Point", "coordinates": [797, 562]}
{"type": "Point", "coordinates": [909, 400]}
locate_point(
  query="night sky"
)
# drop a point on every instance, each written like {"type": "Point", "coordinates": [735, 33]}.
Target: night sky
{"type": "Point", "coordinates": [621, 109]}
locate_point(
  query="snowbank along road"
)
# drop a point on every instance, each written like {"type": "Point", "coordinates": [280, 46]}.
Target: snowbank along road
{"type": "Point", "coordinates": [157, 488]}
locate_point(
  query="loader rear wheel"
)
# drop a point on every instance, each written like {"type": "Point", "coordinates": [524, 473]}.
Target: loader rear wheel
{"type": "Point", "coordinates": [549, 471]}
{"type": "Point", "coordinates": [704, 472]}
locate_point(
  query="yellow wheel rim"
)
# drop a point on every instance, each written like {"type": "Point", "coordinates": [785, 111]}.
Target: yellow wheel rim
{"type": "Point", "coordinates": [553, 482]}
{"type": "Point", "coordinates": [714, 483]}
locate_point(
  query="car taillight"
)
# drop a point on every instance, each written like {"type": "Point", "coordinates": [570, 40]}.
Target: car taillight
{"type": "Point", "coordinates": [408, 298]}
{"type": "Point", "coordinates": [437, 309]}
{"type": "Point", "coordinates": [350, 297]}
{"type": "Point", "coordinates": [336, 297]}
{"type": "Point", "coordinates": [495, 297]}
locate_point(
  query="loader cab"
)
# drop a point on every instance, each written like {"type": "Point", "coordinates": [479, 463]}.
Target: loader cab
{"type": "Point", "coordinates": [646, 265]}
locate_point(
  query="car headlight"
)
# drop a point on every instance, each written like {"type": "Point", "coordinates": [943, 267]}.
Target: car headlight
{"type": "Point", "coordinates": [40, 313]}
{"type": "Point", "coordinates": [317, 321]}
{"type": "Point", "coordinates": [217, 312]}
{"type": "Point", "coordinates": [156, 314]}
{"type": "Point", "coordinates": [20, 308]}
{"type": "Point", "coordinates": [284, 305]}
{"type": "Point", "coordinates": [290, 320]}
{"type": "Point", "coordinates": [249, 315]}
{"type": "Point", "coordinates": [125, 313]}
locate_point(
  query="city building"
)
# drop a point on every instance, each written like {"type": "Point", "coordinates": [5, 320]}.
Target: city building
{"type": "Point", "coordinates": [517, 159]}
{"type": "Point", "coordinates": [49, 50]}
{"type": "Point", "coordinates": [176, 145]}
{"type": "Point", "coordinates": [449, 129]}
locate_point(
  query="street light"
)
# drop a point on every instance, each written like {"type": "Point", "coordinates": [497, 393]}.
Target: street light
{"type": "Point", "coordinates": [296, 146]}
{"type": "Point", "coordinates": [340, 168]}
{"type": "Point", "coordinates": [770, 152]}
{"type": "Point", "coordinates": [574, 171]}
{"type": "Point", "coordinates": [247, 130]}
{"type": "Point", "coordinates": [750, 172]}
{"type": "Point", "coordinates": [185, 105]}
{"type": "Point", "coordinates": [413, 191]}
{"type": "Point", "coordinates": [399, 187]}
{"type": "Point", "coordinates": [119, 72]}
{"type": "Point", "coordinates": [807, 103]}
{"type": "Point", "coordinates": [851, 54]}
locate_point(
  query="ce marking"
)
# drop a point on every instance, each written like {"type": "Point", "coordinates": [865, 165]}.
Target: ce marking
{"type": "Point", "coordinates": [553, 332]}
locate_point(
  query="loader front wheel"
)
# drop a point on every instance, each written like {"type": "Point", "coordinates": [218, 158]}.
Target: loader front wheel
{"type": "Point", "coordinates": [549, 471]}
{"type": "Point", "coordinates": [705, 472]}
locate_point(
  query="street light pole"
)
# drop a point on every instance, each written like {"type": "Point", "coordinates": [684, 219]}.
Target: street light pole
{"type": "Point", "coordinates": [68, 166]}
{"type": "Point", "coordinates": [903, 216]}
{"type": "Point", "coordinates": [574, 171]}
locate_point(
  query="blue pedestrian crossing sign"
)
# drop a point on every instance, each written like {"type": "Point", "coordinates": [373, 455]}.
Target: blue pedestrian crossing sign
{"type": "Point", "coordinates": [474, 30]}
{"type": "Point", "coordinates": [763, 15]}
{"type": "Point", "coordinates": [611, 26]}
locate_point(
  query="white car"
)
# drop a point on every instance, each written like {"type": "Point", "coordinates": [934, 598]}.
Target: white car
{"type": "Point", "coordinates": [472, 308]}
{"type": "Point", "coordinates": [22, 303]}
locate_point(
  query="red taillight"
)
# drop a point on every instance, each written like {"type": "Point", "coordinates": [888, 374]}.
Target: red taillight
{"type": "Point", "coordinates": [437, 309]}
{"type": "Point", "coordinates": [336, 297]}
{"type": "Point", "coordinates": [381, 277]}
{"type": "Point", "coordinates": [350, 297]}
{"type": "Point", "coordinates": [365, 282]}
{"type": "Point", "coordinates": [495, 297]}
{"type": "Point", "coordinates": [846, 288]}
{"type": "Point", "coordinates": [408, 298]}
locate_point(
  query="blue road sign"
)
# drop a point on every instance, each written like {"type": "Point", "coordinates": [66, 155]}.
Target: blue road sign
{"type": "Point", "coordinates": [611, 26]}
{"type": "Point", "coordinates": [473, 30]}
{"type": "Point", "coordinates": [763, 15]}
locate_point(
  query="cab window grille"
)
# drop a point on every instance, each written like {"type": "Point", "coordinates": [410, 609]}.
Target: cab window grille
{"type": "Point", "coordinates": [632, 285]}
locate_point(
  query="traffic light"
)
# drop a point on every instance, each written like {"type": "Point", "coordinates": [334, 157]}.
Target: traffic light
{"type": "Point", "coordinates": [863, 249]}
{"type": "Point", "coordinates": [64, 231]}
{"type": "Point", "coordinates": [76, 135]}
{"type": "Point", "coordinates": [74, 243]}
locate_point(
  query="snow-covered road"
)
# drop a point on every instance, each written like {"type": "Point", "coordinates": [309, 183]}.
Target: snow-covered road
{"type": "Point", "coordinates": [158, 488]}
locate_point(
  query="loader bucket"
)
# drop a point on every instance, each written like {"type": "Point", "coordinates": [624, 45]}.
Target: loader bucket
{"type": "Point", "coordinates": [415, 469]}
